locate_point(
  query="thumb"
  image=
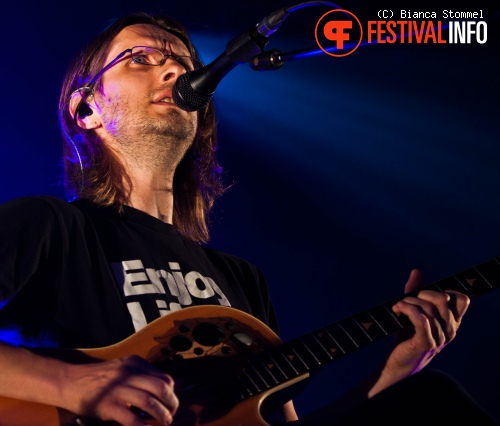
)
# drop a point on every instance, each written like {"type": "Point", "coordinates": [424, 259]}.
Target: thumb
{"type": "Point", "coordinates": [415, 281]}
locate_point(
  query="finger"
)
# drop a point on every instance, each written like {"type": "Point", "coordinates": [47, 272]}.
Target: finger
{"type": "Point", "coordinates": [148, 407]}
{"type": "Point", "coordinates": [123, 415]}
{"type": "Point", "coordinates": [458, 303]}
{"type": "Point", "coordinates": [145, 376]}
{"type": "Point", "coordinates": [438, 303]}
{"type": "Point", "coordinates": [135, 383]}
{"type": "Point", "coordinates": [161, 388]}
{"type": "Point", "coordinates": [451, 306]}
{"type": "Point", "coordinates": [424, 317]}
{"type": "Point", "coordinates": [133, 406]}
{"type": "Point", "coordinates": [415, 281]}
{"type": "Point", "coordinates": [438, 306]}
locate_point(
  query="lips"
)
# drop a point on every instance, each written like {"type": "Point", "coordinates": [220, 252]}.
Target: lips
{"type": "Point", "coordinates": [164, 97]}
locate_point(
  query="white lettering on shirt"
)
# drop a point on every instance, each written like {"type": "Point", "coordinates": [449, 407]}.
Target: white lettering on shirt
{"type": "Point", "coordinates": [168, 287]}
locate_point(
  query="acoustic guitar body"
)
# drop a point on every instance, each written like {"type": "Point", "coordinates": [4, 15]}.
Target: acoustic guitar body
{"type": "Point", "coordinates": [205, 349]}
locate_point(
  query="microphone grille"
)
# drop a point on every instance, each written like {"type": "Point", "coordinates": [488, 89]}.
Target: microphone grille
{"type": "Point", "coordinates": [186, 98]}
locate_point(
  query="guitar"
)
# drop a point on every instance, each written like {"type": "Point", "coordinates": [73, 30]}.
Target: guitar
{"type": "Point", "coordinates": [230, 369]}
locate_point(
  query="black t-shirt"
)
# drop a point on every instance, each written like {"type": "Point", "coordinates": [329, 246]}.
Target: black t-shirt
{"type": "Point", "coordinates": [78, 275]}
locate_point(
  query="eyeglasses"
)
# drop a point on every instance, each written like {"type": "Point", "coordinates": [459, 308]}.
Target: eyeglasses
{"type": "Point", "coordinates": [145, 55]}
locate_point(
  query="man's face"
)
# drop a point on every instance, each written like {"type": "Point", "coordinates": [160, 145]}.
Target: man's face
{"type": "Point", "coordinates": [134, 101]}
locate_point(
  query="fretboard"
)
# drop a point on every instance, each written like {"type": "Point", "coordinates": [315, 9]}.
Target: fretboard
{"type": "Point", "coordinates": [312, 351]}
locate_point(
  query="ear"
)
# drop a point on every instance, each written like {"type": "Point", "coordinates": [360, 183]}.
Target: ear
{"type": "Point", "coordinates": [82, 111]}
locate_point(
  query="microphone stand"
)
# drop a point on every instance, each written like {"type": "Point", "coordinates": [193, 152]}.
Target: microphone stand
{"type": "Point", "coordinates": [274, 59]}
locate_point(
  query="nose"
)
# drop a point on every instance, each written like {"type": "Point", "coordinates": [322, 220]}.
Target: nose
{"type": "Point", "coordinates": [171, 70]}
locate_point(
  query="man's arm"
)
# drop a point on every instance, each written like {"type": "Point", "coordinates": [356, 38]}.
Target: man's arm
{"type": "Point", "coordinates": [435, 316]}
{"type": "Point", "coordinates": [104, 390]}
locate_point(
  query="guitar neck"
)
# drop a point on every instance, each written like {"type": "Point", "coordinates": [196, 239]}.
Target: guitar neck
{"type": "Point", "coordinates": [312, 351]}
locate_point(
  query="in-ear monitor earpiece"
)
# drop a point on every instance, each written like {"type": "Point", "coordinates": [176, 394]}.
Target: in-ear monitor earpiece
{"type": "Point", "coordinates": [84, 110]}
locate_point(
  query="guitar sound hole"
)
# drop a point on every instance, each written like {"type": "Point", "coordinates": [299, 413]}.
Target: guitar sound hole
{"type": "Point", "coordinates": [207, 334]}
{"type": "Point", "coordinates": [184, 328]}
{"type": "Point", "coordinates": [180, 343]}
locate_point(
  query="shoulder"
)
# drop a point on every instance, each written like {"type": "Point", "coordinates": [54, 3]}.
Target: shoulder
{"type": "Point", "coordinates": [231, 261]}
{"type": "Point", "coordinates": [42, 202]}
{"type": "Point", "coordinates": [37, 204]}
{"type": "Point", "coordinates": [246, 274]}
{"type": "Point", "coordinates": [38, 210]}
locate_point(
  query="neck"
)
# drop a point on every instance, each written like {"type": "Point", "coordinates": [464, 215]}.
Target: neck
{"type": "Point", "coordinates": [152, 192]}
{"type": "Point", "coordinates": [149, 168]}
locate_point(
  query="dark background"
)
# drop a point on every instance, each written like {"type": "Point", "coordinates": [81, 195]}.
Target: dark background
{"type": "Point", "coordinates": [348, 172]}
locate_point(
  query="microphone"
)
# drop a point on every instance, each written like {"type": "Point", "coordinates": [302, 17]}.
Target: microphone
{"type": "Point", "coordinates": [194, 90]}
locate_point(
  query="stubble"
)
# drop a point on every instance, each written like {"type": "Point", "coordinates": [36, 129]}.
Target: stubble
{"type": "Point", "coordinates": [159, 142]}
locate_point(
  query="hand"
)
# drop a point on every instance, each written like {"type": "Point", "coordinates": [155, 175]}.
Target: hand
{"type": "Point", "coordinates": [435, 316]}
{"type": "Point", "coordinates": [107, 390]}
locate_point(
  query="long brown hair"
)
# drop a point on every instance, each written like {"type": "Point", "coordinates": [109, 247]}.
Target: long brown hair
{"type": "Point", "coordinates": [93, 172]}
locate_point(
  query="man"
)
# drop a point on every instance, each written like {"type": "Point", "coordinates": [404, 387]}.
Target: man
{"type": "Point", "coordinates": [92, 272]}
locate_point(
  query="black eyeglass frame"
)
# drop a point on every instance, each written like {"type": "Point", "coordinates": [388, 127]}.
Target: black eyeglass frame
{"type": "Point", "coordinates": [197, 64]}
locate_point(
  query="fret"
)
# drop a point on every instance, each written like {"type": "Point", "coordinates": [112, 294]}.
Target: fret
{"type": "Point", "coordinates": [387, 319]}
{"type": "Point", "coordinates": [305, 353]}
{"type": "Point", "coordinates": [402, 319]}
{"type": "Point", "coordinates": [294, 358]}
{"type": "Point", "coordinates": [468, 279]}
{"type": "Point", "coordinates": [264, 372]}
{"type": "Point", "coordinates": [280, 370]}
{"type": "Point", "coordinates": [343, 339]}
{"type": "Point", "coordinates": [439, 286]}
{"type": "Point", "coordinates": [236, 392]}
{"type": "Point", "coordinates": [256, 377]}
{"type": "Point", "coordinates": [324, 353]}
{"type": "Point", "coordinates": [355, 331]}
{"type": "Point", "coordinates": [239, 389]}
{"type": "Point", "coordinates": [317, 349]}
{"type": "Point", "coordinates": [268, 372]}
{"type": "Point", "coordinates": [454, 283]}
{"type": "Point", "coordinates": [249, 385]}
{"type": "Point", "coordinates": [330, 342]}
{"type": "Point", "coordinates": [490, 271]}
{"type": "Point", "coordinates": [370, 325]}
{"type": "Point", "coordinates": [287, 363]}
